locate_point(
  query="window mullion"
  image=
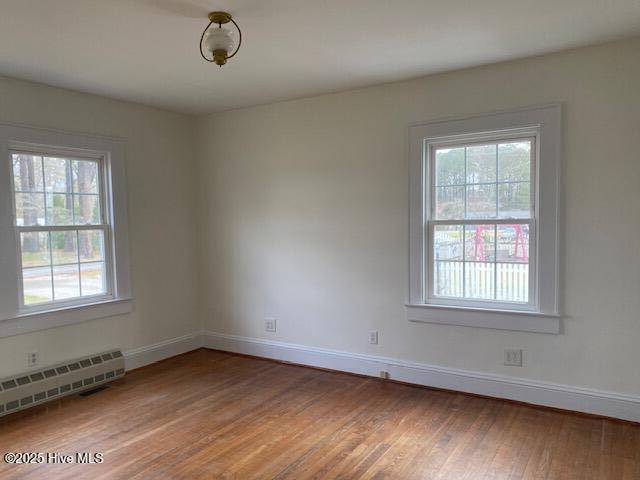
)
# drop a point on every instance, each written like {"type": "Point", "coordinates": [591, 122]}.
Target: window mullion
{"type": "Point", "coordinates": [44, 191]}
{"type": "Point", "coordinates": [53, 290]}
{"type": "Point", "coordinates": [495, 231]}
{"type": "Point", "coordinates": [73, 197]}
{"type": "Point", "coordinates": [464, 260]}
{"type": "Point", "coordinates": [497, 177]}
{"type": "Point", "coordinates": [495, 262]}
{"type": "Point", "coordinates": [78, 255]}
{"type": "Point", "coordinates": [465, 182]}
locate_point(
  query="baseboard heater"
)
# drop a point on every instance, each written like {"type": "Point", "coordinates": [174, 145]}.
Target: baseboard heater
{"type": "Point", "coordinates": [35, 387]}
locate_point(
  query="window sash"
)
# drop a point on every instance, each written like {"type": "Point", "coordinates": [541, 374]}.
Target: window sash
{"type": "Point", "coordinates": [464, 300]}
{"type": "Point", "coordinates": [431, 146]}
{"type": "Point", "coordinates": [60, 153]}
{"type": "Point", "coordinates": [79, 300]}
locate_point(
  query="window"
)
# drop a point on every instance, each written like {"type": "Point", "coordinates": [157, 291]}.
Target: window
{"type": "Point", "coordinates": [63, 202]}
{"type": "Point", "coordinates": [60, 222]}
{"type": "Point", "coordinates": [483, 200]}
{"type": "Point", "coordinates": [482, 214]}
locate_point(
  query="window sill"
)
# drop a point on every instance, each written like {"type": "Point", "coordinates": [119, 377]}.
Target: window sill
{"type": "Point", "coordinates": [515, 320]}
{"type": "Point", "coordinates": [42, 320]}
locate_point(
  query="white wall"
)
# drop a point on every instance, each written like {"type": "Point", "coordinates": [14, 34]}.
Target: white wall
{"type": "Point", "coordinates": [161, 202]}
{"type": "Point", "coordinates": [304, 217]}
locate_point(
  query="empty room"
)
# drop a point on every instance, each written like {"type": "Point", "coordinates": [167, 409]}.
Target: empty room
{"type": "Point", "coordinates": [332, 239]}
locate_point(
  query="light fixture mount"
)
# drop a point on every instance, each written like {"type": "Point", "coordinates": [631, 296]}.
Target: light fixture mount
{"type": "Point", "coordinates": [219, 18]}
{"type": "Point", "coordinates": [219, 42]}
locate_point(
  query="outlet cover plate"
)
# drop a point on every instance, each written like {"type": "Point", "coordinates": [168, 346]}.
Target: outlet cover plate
{"type": "Point", "coordinates": [33, 359]}
{"type": "Point", "coordinates": [269, 324]}
{"type": "Point", "coordinates": [513, 358]}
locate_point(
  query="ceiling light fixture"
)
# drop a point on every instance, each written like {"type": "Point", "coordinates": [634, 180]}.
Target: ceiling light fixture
{"type": "Point", "coordinates": [219, 41]}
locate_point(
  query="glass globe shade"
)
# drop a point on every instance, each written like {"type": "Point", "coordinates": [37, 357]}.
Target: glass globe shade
{"type": "Point", "coordinates": [219, 39]}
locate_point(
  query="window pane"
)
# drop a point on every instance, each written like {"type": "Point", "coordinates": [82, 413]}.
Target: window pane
{"type": "Point", "coordinates": [64, 248]}
{"type": "Point", "coordinates": [513, 243]}
{"type": "Point", "coordinates": [57, 175]}
{"type": "Point", "coordinates": [91, 245]}
{"type": "Point", "coordinates": [35, 249]}
{"type": "Point", "coordinates": [29, 209]}
{"type": "Point", "coordinates": [514, 200]}
{"type": "Point", "coordinates": [66, 282]}
{"type": "Point", "coordinates": [481, 201]}
{"type": "Point", "coordinates": [447, 242]}
{"type": "Point", "coordinates": [449, 203]}
{"type": "Point", "coordinates": [448, 279]}
{"type": "Point", "coordinates": [85, 176]}
{"type": "Point", "coordinates": [479, 280]}
{"type": "Point", "coordinates": [512, 282]}
{"type": "Point", "coordinates": [59, 209]}
{"type": "Point", "coordinates": [87, 209]}
{"type": "Point", "coordinates": [479, 243]}
{"type": "Point", "coordinates": [514, 162]}
{"type": "Point", "coordinates": [36, 285]}
{"type": "Point", "coordinates": [481, 164]}
{"type": "Point", "coordinates": [450, 166]}
{"type": "Point", "coordinates": [92, 276]}
{"type": "Point", "coordinates": [27, 173]}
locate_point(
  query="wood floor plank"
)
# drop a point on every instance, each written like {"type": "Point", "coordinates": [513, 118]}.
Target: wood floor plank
{"type": "Point", "coordinates": [209, 414]}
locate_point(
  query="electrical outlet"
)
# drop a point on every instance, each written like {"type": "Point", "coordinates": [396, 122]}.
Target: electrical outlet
{"type": "Point", "coordinates": [33, 359]}
{"type": "Point", "coordinates": [513, 358]}
{"type": "Point", "coordinates": [269, 324]}
{"type": "Point", "coordinates": [384, 375]}
{"type": "Point", "coordinates": [373, 337]}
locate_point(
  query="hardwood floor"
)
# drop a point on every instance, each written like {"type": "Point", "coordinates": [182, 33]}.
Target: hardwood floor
{"type": "Point", "coordinates": [209, 414]}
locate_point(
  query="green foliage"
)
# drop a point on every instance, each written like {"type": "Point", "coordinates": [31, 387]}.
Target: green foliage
{"type": "Point", "coordinates": [450, 166]}
{"type": "Point", "coordinates": [29, 299]}
{"type": "Point", "coordinates": [57, 240]}
{"type": "Point", "coordinates": [513, 164]}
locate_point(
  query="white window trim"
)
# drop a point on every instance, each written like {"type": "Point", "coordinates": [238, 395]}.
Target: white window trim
{"type": "Point", "coordinates": [15, 320]}
{"type": "Point", "coordinates": [542, 314]}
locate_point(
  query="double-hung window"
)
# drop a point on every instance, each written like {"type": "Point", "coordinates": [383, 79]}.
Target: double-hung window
{"type": "Point", "coordinates": [63, 231]}
{"type": "Point", "coordinates": [62, 228]}
{"type": "Point", "coordinates": [484, 221]}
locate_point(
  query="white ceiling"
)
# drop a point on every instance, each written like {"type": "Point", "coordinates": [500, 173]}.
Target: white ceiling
{"type": "Point", "coordinates": [147, 50]}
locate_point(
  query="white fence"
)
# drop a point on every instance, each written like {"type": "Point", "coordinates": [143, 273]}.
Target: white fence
{"type": "Point", "coordinates": [483, 280]}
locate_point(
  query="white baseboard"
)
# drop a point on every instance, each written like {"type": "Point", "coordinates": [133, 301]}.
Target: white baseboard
{"type": "Point", "coordinates": [139, 357]}
{"type": "Point", "coordinates": [609, 404]}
